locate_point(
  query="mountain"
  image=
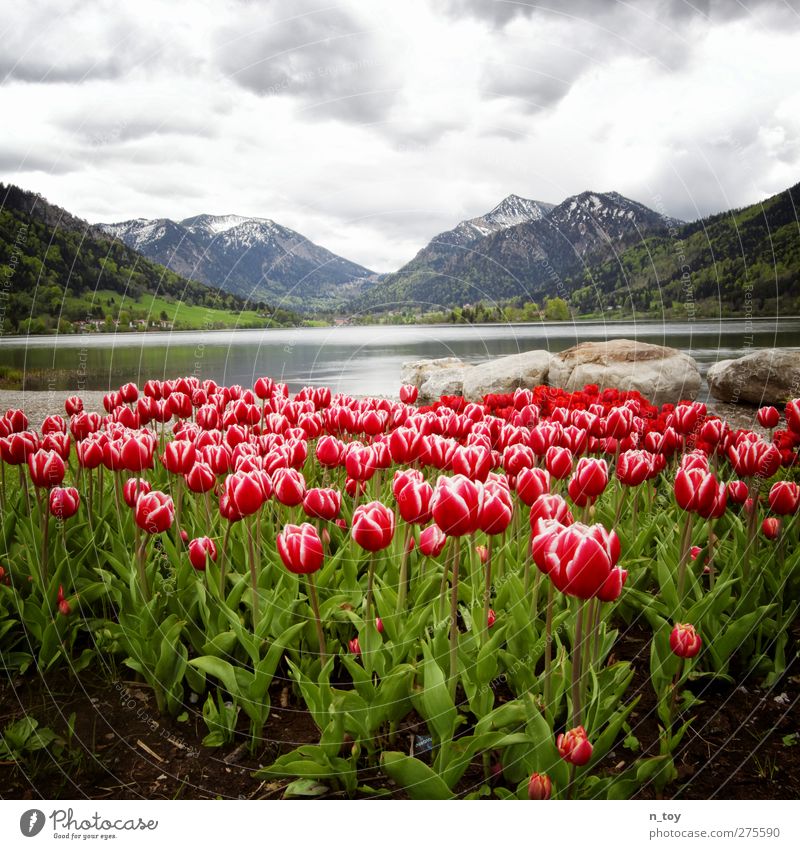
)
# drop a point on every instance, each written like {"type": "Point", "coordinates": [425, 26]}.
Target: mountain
{"type": "Point", "coordinates": [254, 258]}
{"type": "Point", "coordinates": [741, 262]}
{"type": "Point", "coordinates": [521, 249]}
{"type": "Point", "coordinates": [59, 272]}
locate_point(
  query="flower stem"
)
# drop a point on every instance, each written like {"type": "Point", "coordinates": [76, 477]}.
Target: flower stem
{"type": "Point", "coordinates": [454, 621]}
{"type": "Point", "coordinates": [487, 591]}
{"type": "Point", "coordinates": [312, 593]}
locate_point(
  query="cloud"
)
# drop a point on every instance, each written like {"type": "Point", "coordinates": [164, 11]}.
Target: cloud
{"type": "Point", "coordinates": [325, 58]}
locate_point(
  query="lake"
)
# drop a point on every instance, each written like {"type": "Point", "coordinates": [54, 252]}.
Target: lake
{"type": "Point", "coordinates": [357, 360]}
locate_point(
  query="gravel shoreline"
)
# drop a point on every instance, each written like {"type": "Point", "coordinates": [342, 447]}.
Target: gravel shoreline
{"type": "Point", "coordinates": [41, 403]}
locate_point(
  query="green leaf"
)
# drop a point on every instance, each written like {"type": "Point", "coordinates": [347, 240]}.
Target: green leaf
{"type": "Point", "coordinates": [414, 776]}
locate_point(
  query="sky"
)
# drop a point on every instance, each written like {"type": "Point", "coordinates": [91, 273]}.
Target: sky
{"type": "Point", "coordinates": [369, 126]}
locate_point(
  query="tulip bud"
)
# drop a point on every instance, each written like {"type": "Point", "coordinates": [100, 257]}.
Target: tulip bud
{"type": "Point", "coordinates": [456, 505]}
{"type": "Point", "coordinates": [46, 468]}
{"type": "Point", "coordinates": [784, 498]}
{"type": "Point", "coordinates": [133, 488]}
{"type": "Point", "coordinates": [540, 787]}
{"type": "Point", "coordinates": [491, 618]}
{"type": "Point", "coordinates": [694, 551]}
{"type": "Point", "coordinates": [574, 746]}
{"type": "Point", "coordinates": [771, 527]}
{"type": "Point", "coordinates": [432, 541]}
{"type": "Point", "coordinates": [200, 550]}
{"type": "Point", "coordinates": [63, 605]}
{"type": "Point", "coordinates": [408, 393]}
{"type": "Point", "coordinates": [558, 462]}
{"type": "Point", "coordinates": [685, 641]}
{"type": "Point", "coordinates": [322, 503]}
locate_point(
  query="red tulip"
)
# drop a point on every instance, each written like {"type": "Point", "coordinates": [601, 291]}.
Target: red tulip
{"type": "Point", "coordinates": [432, 541]}
{"type": "Point", "coordinates": [360, 462]}
{"type": "Point", "coordinates": [200, 549]}
{"type": "Point", "coordinates": [456, 505]}
{"type": "Point", "coordinates": [53, 424]}
{"type": "Point", "coordinates": [129, 393]}
{"type": "Point", "coordinates": [17, 419]}
{"type": "Point", "coordinates": [517, 457]}
{"type": "Point", "coordinates": [373, 526]}
{"type": "Point", "coordinates": [136, 452]}
{"type": "Point", "coordinates": [685, 641]}
{"type": "Point", "coordinates": [244, 494]}
{"type": "Point", "coordinates": [497, 509]}
{"type": "Point", "coordinates": [473, 461]}
{"type": "Point", "coordinates": [201, 477]}
{"type": "Point", "coordinates": [699, 492]}
{"type": "Point", "coordinates": [784, 498]}
{"type": "Point", "coordinates": [574, 746]}
{"type": "Point", "coordinates": [322, 504]}
{"type": "Point", "coordinates": [63, 605]}
{"type": "Point", "coordinates": [756, 458]}
{"type": "Point", "coordinates": [73, 405]}
{"type": "Point", "coordinates": [634, 467]}
{"type": "Point", "coordinates": [588, 481]}
{"type": "Point", "coordinates": [531, 483]}
{"type": "Point", "coordinates": [771, 527]}
{"type": "Point", "coordinates": [413, 499]}
{"type": "Point", "coordinates": [550, 507]}
{"type": "Point", "coordinates": [405, 445]}
{"type": "Point", "coordinates": [408, 393]}
{"type": "Point", "coordinates": [540, 787]}
{"type": "Point", "coordinates": [133, 488]}
{"type": "Point", "coordinates": [179, 456]}
{"type": "Point", "coordinates": [289, 486]}
{"type": "Point", "coordinates": [619, 422]}
{"type": "Point", "coordinates": [300, 549]}
{"type": "Point", "coordinates": [18, 447]}
{"type": "Point", "coordinates": [46, 468]}
{"type": "Point", "coordinates": [558, 462]}
{"type": "Point", "coordinates": [264, 388]}
{"type": "Point", "coordinates": [792, 413]}
{"type": "Point", "coordinates": [694, 551]}
{"type": "Point", "coordinates": [580, 560]}
{"type": "Point", "coordinates": [154, 512]}
{"type": "Point", "coordinates": [491, 618]}
{"type": "Point", "coordinates": [64, 502]}
{"type": "Point", "coordinates": [768, 417]}
{"type": "Point", "coordinates": [353, 646]}
{"type": "Point", "coordinates": [737, 492]}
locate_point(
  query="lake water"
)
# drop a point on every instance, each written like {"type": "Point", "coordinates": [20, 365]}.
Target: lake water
{"type": "Point", "coordinates": [358, 360]}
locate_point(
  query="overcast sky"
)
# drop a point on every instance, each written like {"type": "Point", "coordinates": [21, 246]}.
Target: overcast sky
{"type": "Point", "coordinates": [371, 125]}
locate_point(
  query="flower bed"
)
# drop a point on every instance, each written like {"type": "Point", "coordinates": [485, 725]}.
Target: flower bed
{"type": "Point", "coordinates": [466, 567]}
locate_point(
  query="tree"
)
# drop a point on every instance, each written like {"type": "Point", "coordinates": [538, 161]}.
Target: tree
{"type": "Point", "coordinates": [556, 309]}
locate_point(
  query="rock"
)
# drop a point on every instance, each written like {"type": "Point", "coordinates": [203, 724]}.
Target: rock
{"type": "Point", "coordinates": [444, 381]}
{"type": "Point", "coordinates": [417, 372]}
{"type": "Point", "coordinates": [505, 374]}
{"type": "Point", "coordinates": [663, 375]}
{"type": "Point", "coordinates": [769, 376]}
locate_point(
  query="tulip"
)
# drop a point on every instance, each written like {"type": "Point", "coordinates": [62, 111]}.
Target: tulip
{"type": "Point", "coordinates": [136, 453]}
{"type": "Point", "coordinates": [300, 549]}
{"type": "Point", "coordinates": [360, 463]}
{"type": "Point", "coordinates": [408, 393]}
{"type": "Point", "coordinates": [456, 505]}
{"type": "Point", "coordinates": [768, 417]}
{"type": "Point", "coordinates": [405, 445]}
{"type": "Point", "coordinates": [491, 618]}
{"type": "Point", "coordinates": [73, 405]}
{"type": "Point", "coordinates": [574, 746]}
{"type": "Point", "coordinates": [784, 498]}
{"type": "Point", "coordinates": [694, 551]}
{"type": "Point", "coordinates": [558, 462]}
{"type": "Point", "coordinates": [413, 499]}
{"type": "Point", "coordinates": [46, 468]}
{"type": "Point", "coordinates": [737, 492]}
{"type": "Point", "coordinates": [792, 413]}
{"type": "Point", "coordinates": [496, 510]}
{"type": "Point", "coordinates": [179, 456]}
{"type": "Point", "coordinates": [432, 541]}
{"type": "Point", "coordinates": [684, 641]}
{"type": "Point", "coordinates": [353, 646]}
{"type": "Point", "coordinates": [540, 787]}
{"type": "Point", "coordinates": [154, 512]}
{"type": "Point", "coordinates": [699, 492]}
{"type": "Point", "coordinates": [373, 526]}
{"type": "Point", "coordinates": [244, 494]}
{"type": "Point", "coordinates": [64, 502]}
{"type": "Point", "coordinates": [200, 549]}
{"type": "Point", "coordinates": [588, 481]}
{"type": "Point", "coordinates": [531, 483]}
{"type": "Point", "coordinates": [548, 507]}
{"type": "Point", "coordinates": [634, 467]}
{"type": "Point", "coordinates": [289, 487]}
{"type": "Point", "coordinates": [322, 504]}
{"type": "Point", "coordinates": [473, 461]}
{"type": "Point", "coordinates": [201, 478]}
{"type": "Point", "coordinates": [771, 528]}
{"type": "Point", "coordinates": [63, 605]}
